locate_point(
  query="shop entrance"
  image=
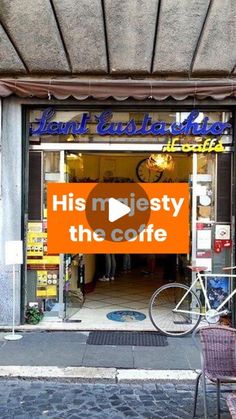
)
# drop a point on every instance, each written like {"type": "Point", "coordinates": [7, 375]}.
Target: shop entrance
{"type": "Point", "coordinates": [78, 288]}
{"type": "Point", "coordinates": [122, 283]}
{"type": "Point", "coordinates": [67, 285]}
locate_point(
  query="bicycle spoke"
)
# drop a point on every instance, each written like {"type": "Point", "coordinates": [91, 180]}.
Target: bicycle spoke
{"type": "Point", "coordinates": [165, 300]}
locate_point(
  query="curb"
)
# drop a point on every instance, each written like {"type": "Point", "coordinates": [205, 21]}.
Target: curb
{"type": "Point", "coordinates": [124, 376]}
{"type": "Point", "coordinates": [70, 327]}
{"type": "Point", "coordinates": [91, 374]}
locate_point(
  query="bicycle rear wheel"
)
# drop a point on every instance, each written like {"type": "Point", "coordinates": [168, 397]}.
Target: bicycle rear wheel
{"type": "Point", "coordinates": [164, 301]}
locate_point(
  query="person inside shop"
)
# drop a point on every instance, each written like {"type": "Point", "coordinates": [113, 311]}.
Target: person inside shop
{"type": "Point", "coordinates": [126, 263]}
{"type": "Point", "coordinates": [151, 265]}
{"type": "Point", "coordinates": [170, 268]}
{"type": "Point", "coordinates": [110, 268]}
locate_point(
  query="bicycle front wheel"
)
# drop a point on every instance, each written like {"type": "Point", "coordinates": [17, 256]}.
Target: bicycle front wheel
{"type": "Point", "coordinates": [162, 314]}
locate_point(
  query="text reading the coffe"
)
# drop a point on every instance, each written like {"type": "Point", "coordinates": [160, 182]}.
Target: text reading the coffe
{"type": "Point", "coordinates": [141, 234]}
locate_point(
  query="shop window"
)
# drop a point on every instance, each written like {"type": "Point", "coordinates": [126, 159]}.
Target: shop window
{"type": "Point", "coordinates": [35, 185]}
{"type": "Point", "coordinates": [223, 188]}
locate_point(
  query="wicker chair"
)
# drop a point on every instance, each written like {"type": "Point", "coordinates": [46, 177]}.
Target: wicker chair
{"type": "Point", "coordinates": [218, 359]}
{"type": "Point", "coordinates": [231, 402]}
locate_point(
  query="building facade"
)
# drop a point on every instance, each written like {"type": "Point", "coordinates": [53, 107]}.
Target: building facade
{"type": "Point", "coordinates": [162, 60]}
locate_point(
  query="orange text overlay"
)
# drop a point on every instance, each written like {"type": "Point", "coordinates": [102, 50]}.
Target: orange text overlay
{"type": "Point", "coordinates": [79, 214]}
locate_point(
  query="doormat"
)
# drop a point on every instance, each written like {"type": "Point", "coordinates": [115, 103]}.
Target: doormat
{"type": "Point", "coordinates": [126, 316]}
{"type": "Point", "coordinates": [126, 338]}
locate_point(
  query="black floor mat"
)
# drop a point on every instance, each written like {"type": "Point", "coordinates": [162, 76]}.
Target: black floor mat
{"type": "Point", "coordinates": [127, 338]}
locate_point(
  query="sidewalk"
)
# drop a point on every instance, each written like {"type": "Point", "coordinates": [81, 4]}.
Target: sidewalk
{"type": "Point", "coordinates": [67, 350]}
{"type": "Point", "coordinates": [64, 377]}
{"type": "Point", "coordinates": [58, 375]}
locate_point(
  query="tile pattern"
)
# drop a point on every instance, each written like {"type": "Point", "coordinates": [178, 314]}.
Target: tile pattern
{"type": "Point", "coordinates": [128, 292]}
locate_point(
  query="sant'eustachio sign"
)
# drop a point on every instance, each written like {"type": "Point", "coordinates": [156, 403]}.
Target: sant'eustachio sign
{"type": "Point", "coordinates": [105, 126]}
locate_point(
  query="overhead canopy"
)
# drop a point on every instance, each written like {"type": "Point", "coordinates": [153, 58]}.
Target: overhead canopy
{"type": "Point", "coordinates": [118, 89]}
{"type": "Point", "coordinates": [118, 49]}
{"type": "Point", "coordinates": [176, 38]}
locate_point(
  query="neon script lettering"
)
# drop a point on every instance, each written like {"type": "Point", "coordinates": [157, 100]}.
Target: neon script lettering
{"type": "Point", "coordinates": [45, 127]}
{"type": "Point", "coordinates": [105, 126]}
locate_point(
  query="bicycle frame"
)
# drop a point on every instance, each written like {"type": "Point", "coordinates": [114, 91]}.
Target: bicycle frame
{"type": "Point", "coordinates": [199, 279]}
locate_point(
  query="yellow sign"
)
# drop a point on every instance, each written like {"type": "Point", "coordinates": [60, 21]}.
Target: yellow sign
{"type": "Point", "coordinates": [47, 292]}
{"type": "Point", "coordinates": [50, 260]}
{"type": "Point", "coordinates": [37, 246]}
{"type": "Point", "coordinates": [42, 277]}
{"type": "Point", "coordinates": [207, 145]}
{"type": "Point", "coordinates": [46, 284]}
{"type": "Point", "coordinates": [35, 243]}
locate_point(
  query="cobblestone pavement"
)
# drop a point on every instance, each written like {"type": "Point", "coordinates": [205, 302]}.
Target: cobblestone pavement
{"type": "Point", "coordinates": [43, 399]}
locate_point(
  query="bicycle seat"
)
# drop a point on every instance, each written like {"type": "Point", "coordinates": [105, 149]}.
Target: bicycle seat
{"type": "Point", "coordinates": [197, 268]}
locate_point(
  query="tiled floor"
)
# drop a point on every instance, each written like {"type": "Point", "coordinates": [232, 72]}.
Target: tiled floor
{"type": "Point", "coordinates": [128, 292]}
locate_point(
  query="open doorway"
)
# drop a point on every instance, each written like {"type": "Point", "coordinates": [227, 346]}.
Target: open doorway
{"type": "Point", "coordinates": [119, 283]}
{"type": "Point", "coordinates": [67, 286]}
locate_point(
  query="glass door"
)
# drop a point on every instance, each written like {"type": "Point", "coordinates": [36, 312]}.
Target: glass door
{"type": "Point", "coordinates": [203, 182]}
{"type": "Point", "coordinates": [73, 285]}
{"type": "Point", "coordinates": [72, 264]}
{"type": "Point", "coordinates": [212, 222]}
{"type": "Point", "coordinates": [212, 216]}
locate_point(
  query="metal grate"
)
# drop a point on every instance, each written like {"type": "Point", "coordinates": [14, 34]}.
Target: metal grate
{"type": "Point", "coordinates": [127, 338]}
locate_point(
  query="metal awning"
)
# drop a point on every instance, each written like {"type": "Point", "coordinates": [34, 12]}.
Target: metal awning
{"type": "Point", "coordinates": [101, 89]}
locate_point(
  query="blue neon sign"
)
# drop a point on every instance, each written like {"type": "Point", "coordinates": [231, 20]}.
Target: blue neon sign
{"type": "Point", "coordinates": [105, 126]}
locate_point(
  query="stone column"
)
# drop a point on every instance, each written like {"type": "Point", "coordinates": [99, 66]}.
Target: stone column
{"type": "Point", "coordinates": [10, 202]}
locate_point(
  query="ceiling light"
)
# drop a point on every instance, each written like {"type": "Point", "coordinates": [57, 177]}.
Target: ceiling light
{"type": "Point", "coordinates": [160, 162]}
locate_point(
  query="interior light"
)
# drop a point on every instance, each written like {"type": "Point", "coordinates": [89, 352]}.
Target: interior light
{"type": "Point", "coordinates": [72, 156]}
{"type": "Point", "coordinates": [160, 162]}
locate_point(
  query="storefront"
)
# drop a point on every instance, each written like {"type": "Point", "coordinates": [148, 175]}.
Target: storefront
{"type": "Point", "coordinates": [63, 283]}
{"type": "Point", "coordinates": [77, 150]}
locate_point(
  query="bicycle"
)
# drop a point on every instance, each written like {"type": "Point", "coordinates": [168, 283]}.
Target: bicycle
{"type": "Point", "coordinates": [176, 310]}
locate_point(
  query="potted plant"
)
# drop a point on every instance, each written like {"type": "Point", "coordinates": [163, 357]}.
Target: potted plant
{"type": "Point", "coordinates": [33, 314]}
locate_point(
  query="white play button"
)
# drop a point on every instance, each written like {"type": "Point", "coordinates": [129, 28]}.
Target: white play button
{"type": "Point", "coordinates": [117, 209]}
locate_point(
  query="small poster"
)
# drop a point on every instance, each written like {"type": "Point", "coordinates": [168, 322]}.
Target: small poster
{"type": "Point", "coordinates": [204, 239]}
{"type": "Point", "coordinates": [35, 226]}
{"type": "Point", "coordinates": [35, 243]}
{"type": "Point", "coordinates": [14, 252]}
{"type": "Point", "coordinates": [47, 282]}
{"type": "Point", "coordinates": [201, 190]}
{"type": "Point", "coordinates": [222, 232]}
{"type": "Point", "coordinates": [37, 256]}
{"type": "Point", "coordinates": [42, 278]}
{"type": "Point", "coordinates": [217, 290]}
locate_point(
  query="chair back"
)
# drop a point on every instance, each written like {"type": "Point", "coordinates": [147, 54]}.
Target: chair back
{"type": "Point", "coordinates": [218, 345]}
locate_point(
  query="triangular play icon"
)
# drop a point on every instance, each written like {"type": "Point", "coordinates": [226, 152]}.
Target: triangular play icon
{"type": "Point", "coordinates": [117, 209]}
